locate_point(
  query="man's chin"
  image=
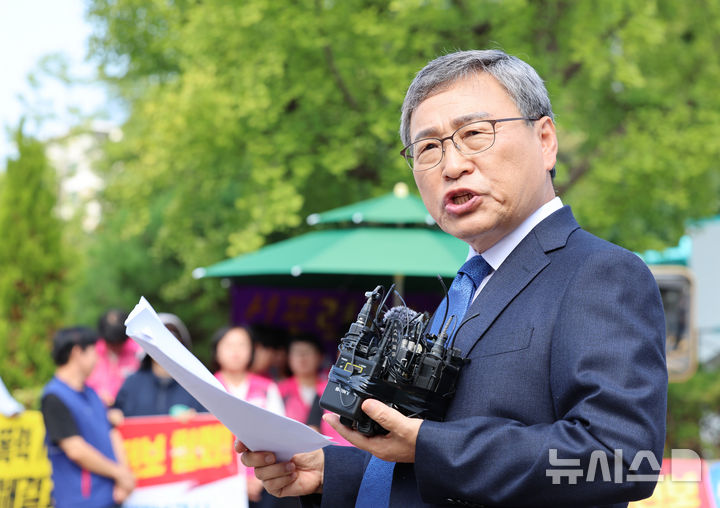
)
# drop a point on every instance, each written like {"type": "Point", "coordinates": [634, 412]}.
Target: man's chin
{"type": "Point", "coordinates": [479, 235]}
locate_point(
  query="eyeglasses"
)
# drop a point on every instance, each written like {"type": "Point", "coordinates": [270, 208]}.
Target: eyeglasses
{"type": "Point", "coordinates": [471, 138]}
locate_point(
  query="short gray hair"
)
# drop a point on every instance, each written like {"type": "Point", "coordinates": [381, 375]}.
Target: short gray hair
{"type": "Point", "coordinates": [518, 78]}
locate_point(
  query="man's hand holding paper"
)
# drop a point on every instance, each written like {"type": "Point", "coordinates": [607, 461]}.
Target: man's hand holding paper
{"type": "Point", "coordinates": [300, 476]}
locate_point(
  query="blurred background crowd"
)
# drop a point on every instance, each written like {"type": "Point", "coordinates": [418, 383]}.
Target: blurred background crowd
{"type": "Point", "coordinates": [268, 367]}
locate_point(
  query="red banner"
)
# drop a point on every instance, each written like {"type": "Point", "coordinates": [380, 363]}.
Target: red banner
{"type": "Point", "coordinates": [162, 449]}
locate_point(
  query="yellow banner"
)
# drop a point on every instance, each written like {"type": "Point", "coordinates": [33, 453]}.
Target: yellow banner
{"type": "Point", "coordinates": [24, 466]}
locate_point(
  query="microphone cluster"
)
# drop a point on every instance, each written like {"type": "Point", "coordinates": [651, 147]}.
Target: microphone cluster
{"type": "Point", "coordinates": [393, 359]}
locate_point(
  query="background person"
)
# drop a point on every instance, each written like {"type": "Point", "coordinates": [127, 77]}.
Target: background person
{"type": "Point", "coordinates": [270, 352]}
{"type": "Point", "coordinates": [565, 332]}
{"type": "Point", "coordinates": [86, 453]}
{"type": "Point", "coordinates": [301, 393]}
{"type": "Point", "coordinates": [151, 390]}
{"type": "Point", "coordinates": [118, 356]}
{"type": "Point", "coordinates": [232, 355]}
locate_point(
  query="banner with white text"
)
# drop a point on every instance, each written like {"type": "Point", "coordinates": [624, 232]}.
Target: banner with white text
{"type": "Point", "coordinates": [182, 464]}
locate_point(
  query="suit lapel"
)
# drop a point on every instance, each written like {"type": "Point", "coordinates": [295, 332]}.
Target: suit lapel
{"type": "Point", "coordinates": [521, 266]}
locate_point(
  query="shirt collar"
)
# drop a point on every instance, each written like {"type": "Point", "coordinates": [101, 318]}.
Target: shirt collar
{"type": "Point", "coordinates": [496, 254]}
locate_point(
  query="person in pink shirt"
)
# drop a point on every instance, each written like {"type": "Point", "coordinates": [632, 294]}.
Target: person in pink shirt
{"type": "Point", "coordinates": [301, 393]}
{"type": "Point", "coordinates": [118, 356]}
{"type": "Point", "coordinates": [232, 354]}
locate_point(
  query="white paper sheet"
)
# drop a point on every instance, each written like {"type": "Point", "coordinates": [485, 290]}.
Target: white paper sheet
{"type": "Point", "coordinates": [259, 429]}
{"type": "Point", "coordinates": [8, 406]}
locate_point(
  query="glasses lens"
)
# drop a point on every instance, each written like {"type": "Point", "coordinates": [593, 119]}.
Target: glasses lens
{"type": "Point", "coordinates": [425, 153]}
{"type": "Point", "coordinates": [475, 137]}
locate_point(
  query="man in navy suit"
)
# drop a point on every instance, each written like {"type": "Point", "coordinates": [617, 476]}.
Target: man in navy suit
{"type": "Point", "coordinates": [563, 402]}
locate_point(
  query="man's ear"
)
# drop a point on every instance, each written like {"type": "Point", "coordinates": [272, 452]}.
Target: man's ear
{"type": "Point", "coordinates": [548, 143]}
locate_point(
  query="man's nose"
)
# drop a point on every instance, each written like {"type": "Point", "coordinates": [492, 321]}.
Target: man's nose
{"type": "Point", "coordinates": [454, 163]}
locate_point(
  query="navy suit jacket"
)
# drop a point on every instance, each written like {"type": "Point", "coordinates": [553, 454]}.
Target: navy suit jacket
{"type": "Point", "coordinates": [567, 353]}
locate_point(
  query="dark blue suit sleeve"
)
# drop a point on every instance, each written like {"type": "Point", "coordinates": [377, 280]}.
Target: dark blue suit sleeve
{"type": "Point", "coordinates": [608, 379]}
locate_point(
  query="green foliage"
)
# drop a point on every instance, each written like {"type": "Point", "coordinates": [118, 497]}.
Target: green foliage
{"type": "Point", "coordinates": [247, 116]}
{"type": "Point", "coordinates": [117, 266]}
{"type": "Point", "coordinates": [692, 404]}
{"type": "Point", "coordinates": [647, 125]}
{"type": "Point", "coordinates": [32, 295]}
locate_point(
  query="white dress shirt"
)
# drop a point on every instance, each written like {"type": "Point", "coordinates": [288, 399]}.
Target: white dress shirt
{"type": "Point", "coordinates": [496, 255]}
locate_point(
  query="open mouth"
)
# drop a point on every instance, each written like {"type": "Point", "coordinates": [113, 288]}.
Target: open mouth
{"type": "Point", "coordinates": [461, 199]}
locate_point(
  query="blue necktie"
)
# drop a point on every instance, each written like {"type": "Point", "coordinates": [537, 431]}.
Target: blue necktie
{"type": "Point", "coordinates": [374, 490]}
{"type": "Point", "coordinates": [461, 292]}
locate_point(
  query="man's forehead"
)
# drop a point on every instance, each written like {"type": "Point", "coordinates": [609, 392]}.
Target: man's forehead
{"type": "Point", "coordinates": [475, 89]}
{"type": "Point", "coordinates": [478, 81]}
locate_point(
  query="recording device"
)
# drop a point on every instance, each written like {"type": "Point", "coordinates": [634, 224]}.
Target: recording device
{"type": "Point", "coordinates": [394, 359]}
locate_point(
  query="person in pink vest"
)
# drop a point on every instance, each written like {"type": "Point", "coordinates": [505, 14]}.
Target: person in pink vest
{"type": "Point", "coordinates": [232, 354]}
{"type": "Point", "coordinates": [301, 393]}
{"type": "Point", "coordinates": [118, 356]}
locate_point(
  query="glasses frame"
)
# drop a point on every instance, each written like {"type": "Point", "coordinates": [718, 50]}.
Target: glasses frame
{"type": "Point", "coordinates": [408, 158]}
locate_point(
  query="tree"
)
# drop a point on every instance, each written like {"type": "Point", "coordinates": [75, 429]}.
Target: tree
{"type": "Point", "coordinates": [244, 117]}
{"type": "Point", "coordinates": [32, 296]}
{"type": "Point", "coordinates": [693, 405]}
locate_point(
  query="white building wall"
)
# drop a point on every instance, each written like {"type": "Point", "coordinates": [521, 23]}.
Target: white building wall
{"type": "Point", "coordinates": [73, 157]}
{"type": "Point", "coordinates": [705, 264]}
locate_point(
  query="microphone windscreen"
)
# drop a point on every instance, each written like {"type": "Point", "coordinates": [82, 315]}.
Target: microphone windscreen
{"type": "Point", "coordinates": [400, 313]}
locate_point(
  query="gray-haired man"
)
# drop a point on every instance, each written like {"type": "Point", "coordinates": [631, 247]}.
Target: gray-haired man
{"type": "Point", "coordinates": [564, 332]}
